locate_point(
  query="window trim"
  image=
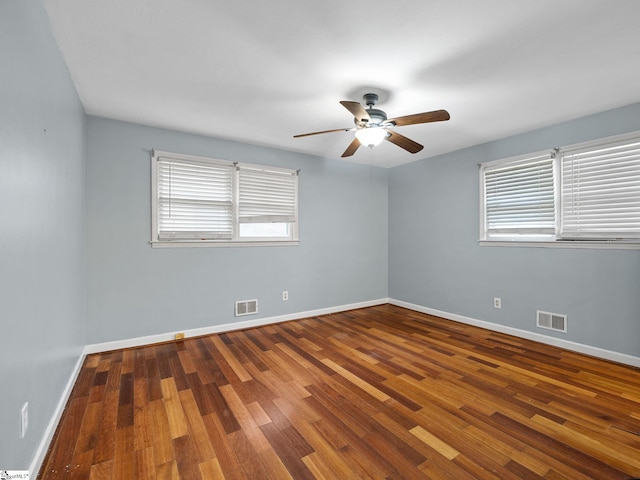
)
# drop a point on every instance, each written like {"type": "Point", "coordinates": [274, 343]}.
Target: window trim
{"type": "Point", "coordinates": [235, 240]}
{"type": "Point", "coordinates": [555, 240]}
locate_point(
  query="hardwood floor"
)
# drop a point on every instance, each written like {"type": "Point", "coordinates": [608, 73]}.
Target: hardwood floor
{"type": "Point", "coordinates": [381, 392]}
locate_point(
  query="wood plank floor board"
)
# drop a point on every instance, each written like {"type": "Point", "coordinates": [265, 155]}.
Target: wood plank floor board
{"type": "Point", "coordinates": [196, 427]}
{"type": "Point", "coordinates": [162, 446]}
{"type": "Point", "coordinates": [291, 459]}
{"type": "Point", "coordinates": [375, 393]}
{"type": "Point", "coordinates": [229, 462]}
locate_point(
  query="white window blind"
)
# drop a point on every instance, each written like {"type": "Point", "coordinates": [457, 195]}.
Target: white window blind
{"type": "Point", "coordinates": [519, 197]}
{"type": "Point", "coordinates": [601, 192]}
{"type": "Point", "coordinates": [199, 201]}
{"type": "Point", "coordinates": [267, 196]}
{"type": "Point", "coordinates": [194, 199]}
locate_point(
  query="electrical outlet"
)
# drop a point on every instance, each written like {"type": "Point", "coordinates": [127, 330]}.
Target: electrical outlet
{"type": "Point", "coordinates": [180, 336]}
{"type": "Point", "coordinates": [497, 302]}
{"type": "Point", "coordinates": [24, 419]}
{"type": "Point", "coordinates": [285, 296]}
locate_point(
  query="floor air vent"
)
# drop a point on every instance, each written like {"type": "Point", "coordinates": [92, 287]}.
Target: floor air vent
{"type": "Point", "coordinates": [246, 307]}
{"type": "Point", "coordinates": [552, 321]}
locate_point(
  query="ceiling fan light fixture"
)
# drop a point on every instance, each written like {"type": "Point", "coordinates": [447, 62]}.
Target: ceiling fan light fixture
{"type": "Point", "coordinates": [372, 125]}
{"type": "Point", "coordinates": [371, 136]}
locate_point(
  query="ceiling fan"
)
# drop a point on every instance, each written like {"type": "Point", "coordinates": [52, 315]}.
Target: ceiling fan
{"type": "Point", "coordinates": [372, 125]}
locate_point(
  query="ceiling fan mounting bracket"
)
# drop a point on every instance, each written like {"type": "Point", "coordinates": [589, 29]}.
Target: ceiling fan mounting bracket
{"type": "Point", "coordinates": [370, 99]}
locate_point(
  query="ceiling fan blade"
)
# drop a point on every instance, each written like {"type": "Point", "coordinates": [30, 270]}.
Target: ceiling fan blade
{"type": "Point", "coordinates": [403, 142]}
{"type": "Point", "coordinates": [426, 117]}
{"type": "Point", "coordinates": [351, 149]}
{"type": "Point", "coordinates": [324, 131]}
{"type": "Point", "coordinates": [357, 111]}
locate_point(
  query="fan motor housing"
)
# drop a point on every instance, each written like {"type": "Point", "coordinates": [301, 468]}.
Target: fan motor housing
{"type": "Point", "coordinates": [377, 116]}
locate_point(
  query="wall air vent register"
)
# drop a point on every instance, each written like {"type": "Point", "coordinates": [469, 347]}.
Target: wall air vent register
{"type": "Point", "coordinates": [551, 321]}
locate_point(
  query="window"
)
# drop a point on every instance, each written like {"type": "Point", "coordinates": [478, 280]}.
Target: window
{"type": "Point", "coordinates": [601, 192]}
{"type": "Point", "coordinates": [203, 201]}
{"type": "Point", "coordinates": [519, 197]}
{"type": "Point", "coordinates": [267, 202]}
{"type": "Point", "coordinates": [586, 192]}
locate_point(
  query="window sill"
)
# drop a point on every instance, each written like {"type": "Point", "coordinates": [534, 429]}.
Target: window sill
{"type": "Point", "coordinates": [209, 244]}
{"type": "Point", "coordinates": [599, 245]}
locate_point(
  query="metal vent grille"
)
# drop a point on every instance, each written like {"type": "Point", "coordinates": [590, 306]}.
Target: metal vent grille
{"type": "Point", "coordinates": [246, 307]}
{"type": "Point", "coordinates": [551, 321]}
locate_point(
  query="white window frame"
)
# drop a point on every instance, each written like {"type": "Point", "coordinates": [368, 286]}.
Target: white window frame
{"type": "Point", "coordinates": [234, 239]}
{"type": "Point", "coordinates": [558, 238]}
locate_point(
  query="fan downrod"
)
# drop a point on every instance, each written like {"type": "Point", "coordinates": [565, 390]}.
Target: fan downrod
{"type": "Point", "coordinates": [377, 116]}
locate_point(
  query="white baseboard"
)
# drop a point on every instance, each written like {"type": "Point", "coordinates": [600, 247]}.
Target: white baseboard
{"type": "Point", "coordinates": [556, 342]}
{"type": "Point", "coordinates": [227, 327]}
{"type": "Point", "coordinates": [41, 452]}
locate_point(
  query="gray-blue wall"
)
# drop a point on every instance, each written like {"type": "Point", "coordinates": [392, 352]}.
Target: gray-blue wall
{"type": "Point", "coordinates": [41, 227]}
{"type": "Point", "coordinates": [134, 290]}
{"type": "Point", "coordinates": [435, 260]}
{"type": "Point", "coordinates": [409, 233]}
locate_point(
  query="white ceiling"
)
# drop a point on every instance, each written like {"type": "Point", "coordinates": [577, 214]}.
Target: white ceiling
{"type": "Point", "coordinates": [262, 71]}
